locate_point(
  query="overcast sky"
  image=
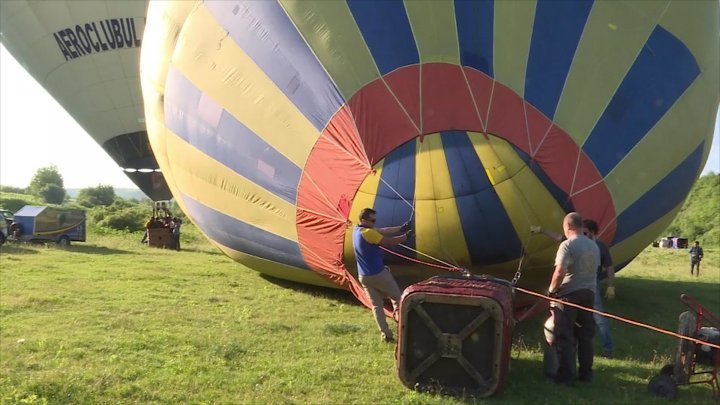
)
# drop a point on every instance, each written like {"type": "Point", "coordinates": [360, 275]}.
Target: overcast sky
{"type": "Point", "coordinates": [35, 131]}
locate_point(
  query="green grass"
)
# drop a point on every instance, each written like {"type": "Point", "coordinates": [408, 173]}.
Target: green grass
{"type": "Point", "coordinates": [111, 321]}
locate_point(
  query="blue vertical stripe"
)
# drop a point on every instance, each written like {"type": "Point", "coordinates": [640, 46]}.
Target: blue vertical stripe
{"type": "Point", "coordinates": [489, 233]}
{"type": "Point", "coordinates": [226, 139]}
{"type": "Point", "coordinates": [244, 237]}
{"type": "Point", "coordinates": [475, 33]}
{"type": "Point", "coordinates": [385, 26]}
{"type": "Point", "coordinates": [399, 172]}
{"type": "Point", "coordinates": [556, 32]}
{"type": "Point", "coordinates": [662, 72]}
{"type": "Point", "coordinates": [264, 31]}
{"type": "Point", "coordinates": [662, 198]}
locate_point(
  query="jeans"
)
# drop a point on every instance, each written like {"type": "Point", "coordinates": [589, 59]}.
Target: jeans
{"type": "Point", "coordinates": [603, 324]}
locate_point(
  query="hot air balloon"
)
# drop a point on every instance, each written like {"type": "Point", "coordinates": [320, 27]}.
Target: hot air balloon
{"type": "Point", "coordinates": [86, 54]}
{"type": "Point", "coordinates": [276, 122]}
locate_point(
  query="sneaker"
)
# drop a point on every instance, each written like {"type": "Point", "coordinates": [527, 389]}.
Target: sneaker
{"type": "Point", "coordinates": [607, 354]}
{"type": "Point", "coordinates": [387, 338]}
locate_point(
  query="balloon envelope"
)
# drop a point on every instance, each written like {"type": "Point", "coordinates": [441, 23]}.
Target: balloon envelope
{"type": "Point", "coordinates": [276, 122]}
{"type": "Point", "coordinates": [86, 54]}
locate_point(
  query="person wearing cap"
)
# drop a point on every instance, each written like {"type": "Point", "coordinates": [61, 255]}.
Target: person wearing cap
{"type": "Point", "coordinates": [606, 268]}
{"type": "Point", "coordinates": [375, 277]}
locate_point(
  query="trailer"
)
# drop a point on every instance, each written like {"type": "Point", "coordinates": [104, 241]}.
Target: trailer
{"type": "Point", "coordinates": [34, 223]}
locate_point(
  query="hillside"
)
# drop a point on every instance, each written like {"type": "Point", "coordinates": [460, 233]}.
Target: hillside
{"type": "Point", "coordinates": [127, 193]}
{"type": "Point", "coordinates": [699, 218]}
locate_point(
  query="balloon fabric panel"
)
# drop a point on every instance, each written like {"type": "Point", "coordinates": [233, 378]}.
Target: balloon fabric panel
{"type": "Point", "coordinates": [203, 123]}
{"type": "Point", "coordinates": [663, 70]}
{"type": "Point", "coordinates": [557, 30]}
{"type": "Point", "coordinates": [387, 32]}
{"type": "Point", "coordinates": [244, 237]}
{"type": "Point", "coordinates": [666, 194]}
{"type": "Point", "coordinates": [475, 33]}
{"type": "Point", "coordinates": [231, 78]}
{"type": "Point", "coordinates": [266, 34]}
{"type": "Point", "coordinates": [222, 189]}
{"type": "Point", "coordinates": [484, 220]}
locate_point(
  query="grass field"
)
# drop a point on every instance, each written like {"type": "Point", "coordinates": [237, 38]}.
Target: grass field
{"type": "Point", "coordinates": [111, 321]}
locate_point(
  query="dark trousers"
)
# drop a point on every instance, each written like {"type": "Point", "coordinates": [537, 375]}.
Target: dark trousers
{"type": "Point", "coordinates": [575, 329]}
{"type": "Point", "coordinates": [176, 241]}
{"type": "Point", "coordinates": [694, 264]}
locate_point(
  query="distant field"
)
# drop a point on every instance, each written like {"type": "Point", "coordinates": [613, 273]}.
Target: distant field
{"type": "Point", "coordinates": [112, 321]}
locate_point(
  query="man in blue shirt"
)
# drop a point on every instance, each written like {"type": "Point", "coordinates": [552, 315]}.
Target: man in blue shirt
{"type": "Point", "coordinates": [606, 268]}
{"type": "Point", "coordinates": [374, 276]}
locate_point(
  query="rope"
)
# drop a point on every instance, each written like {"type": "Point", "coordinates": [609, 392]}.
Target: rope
{"type": "Point", "coordinates": [619, 318]}
{"type": "Point", "coordinates": [545, 297]}
{"type": "Point", "coordinates": [448, 267]}
{"type": "Point", "coordinates": [412, 207]}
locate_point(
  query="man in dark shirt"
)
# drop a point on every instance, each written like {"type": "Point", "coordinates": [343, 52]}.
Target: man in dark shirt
{"type": "Point", "coordinates": [696, 254]}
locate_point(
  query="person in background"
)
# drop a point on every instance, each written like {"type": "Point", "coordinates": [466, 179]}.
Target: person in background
{"type": "Point", "coordinates": [696, 254]}
{"type": "Point", "coordinates": [149, 224]}
{"type": "Point", "coordinates": [574, 280]}
{"type": "Point", "coordinates": [606, 267]}
{"type": "Point", "coordinates": [175, 227]}
{"type": "Point", "coordinates": [374, 276]}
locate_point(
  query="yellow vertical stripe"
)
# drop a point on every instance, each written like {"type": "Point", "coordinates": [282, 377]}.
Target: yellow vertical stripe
{"type": "Point", "coordinates": [216, 65]}
{"type": "Point", "coordinates": [365, 198]}
{"type": "Point", "coordinates": [614, 34]}
{"type": "Point", "coordinates": [513, 31]}
{"type": "Point", "coordinates": [525, 199]}
{"type": "Point", "coordinates": [437, 221]}
{"type": "Point", "coordinates": [330, 30]}
{"type": "Point", "coordinates": [433, 25]}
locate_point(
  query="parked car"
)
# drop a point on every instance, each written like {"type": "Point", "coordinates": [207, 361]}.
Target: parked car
{"type": "Point", "coordinates": [8, 216]}
{"type": "Point", "coordinates": [3, 228]}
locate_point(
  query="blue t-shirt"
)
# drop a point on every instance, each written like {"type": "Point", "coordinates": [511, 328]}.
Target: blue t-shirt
{"type": "Point", "coordinates": [367, 251]}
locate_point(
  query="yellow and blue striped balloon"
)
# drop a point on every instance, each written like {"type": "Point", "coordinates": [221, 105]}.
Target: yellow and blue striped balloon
{"type": "Point", "coordinates": [276, 122]}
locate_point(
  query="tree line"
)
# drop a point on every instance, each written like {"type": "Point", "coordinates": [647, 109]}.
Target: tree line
{"type": "Point", "coordinates": [698, 217]}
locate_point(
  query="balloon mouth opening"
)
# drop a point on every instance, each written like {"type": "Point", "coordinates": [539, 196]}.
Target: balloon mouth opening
{"type": "Point", "coordinates": [141, 170]}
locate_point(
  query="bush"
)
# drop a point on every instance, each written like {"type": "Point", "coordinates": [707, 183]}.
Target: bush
{"type": "Point", "coordinates": [93, 196]}
{"type": "Point", "coordinates": [52, 193]}
{"type": "Point", "coordinates": [121, 215]}
{"type": "Point", "coordinates": [14, 204]}
{"type": "Point", "coordinates": [12, 189]}
{"type": "Point", "coordinates": [126, 219]}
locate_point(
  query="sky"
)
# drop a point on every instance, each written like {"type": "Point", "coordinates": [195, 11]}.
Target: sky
{"type": "Point", "coordinates": [35, 132]}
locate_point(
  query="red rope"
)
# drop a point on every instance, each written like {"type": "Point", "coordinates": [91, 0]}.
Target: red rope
{"type": "Point", "coordinates": [619, 318]}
